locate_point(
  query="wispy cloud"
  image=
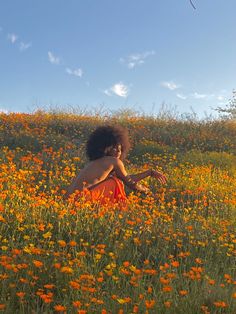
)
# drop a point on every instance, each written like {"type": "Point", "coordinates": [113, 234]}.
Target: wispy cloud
{"type": "Point", "coordinates": [221, 98]}
{"type": "Point", "coordinates": [24, 46]}
{"type": "Point", "coordinates": [197, 95]}
{"type": "Point", "coordinates": [181, 96]}
{"type": "Point", "coordinates": [12, 37]}
{"type": "Point", "coordinates": [52, 58]}
{"type": "Point", "coordinates": [1, 29]}
{"type": "Point", "coordinates": [118, 89]}
{"type": "Point", "coordinates": [170, 85]}
{"type": "Point", "coordinates": [203, 96]}
{"type": "Point", "coordinates": [136, 59]}
{"type": "Point", "coordinates": [76, 72]}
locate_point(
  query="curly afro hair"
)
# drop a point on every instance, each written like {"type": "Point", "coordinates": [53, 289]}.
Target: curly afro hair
{"type": "Point", "coordinates": [104, 137]}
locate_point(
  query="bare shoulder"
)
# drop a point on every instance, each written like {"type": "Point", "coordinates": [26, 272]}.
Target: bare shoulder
{"type": "Point", "coordinates": [113, 160]}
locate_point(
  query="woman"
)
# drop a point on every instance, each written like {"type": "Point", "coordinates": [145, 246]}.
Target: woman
{"type": "Point", "coordinates": [104, 177]}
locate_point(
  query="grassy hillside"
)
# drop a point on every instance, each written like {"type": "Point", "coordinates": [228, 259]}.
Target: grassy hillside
{"type": "Point", "coordinates": [171, 252]}
{"type": "Point", "coordinates": [57, 130]}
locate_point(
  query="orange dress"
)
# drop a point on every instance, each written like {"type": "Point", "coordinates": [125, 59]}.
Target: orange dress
{"type": "Point", "coordinates": [110, 190]}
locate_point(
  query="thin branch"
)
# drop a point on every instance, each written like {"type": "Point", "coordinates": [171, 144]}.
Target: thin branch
{"type": "Point", "coordinates": [192, 4]}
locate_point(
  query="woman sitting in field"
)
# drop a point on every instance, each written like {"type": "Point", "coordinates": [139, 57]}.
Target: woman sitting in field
{"type": "Point", "coordinates": [104, 177]}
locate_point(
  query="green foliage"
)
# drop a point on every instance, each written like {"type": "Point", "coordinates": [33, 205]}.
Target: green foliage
{"type": "Point", "coordinates": [151, 148]}
{"type": "Point", "coordinates": [221, 160]}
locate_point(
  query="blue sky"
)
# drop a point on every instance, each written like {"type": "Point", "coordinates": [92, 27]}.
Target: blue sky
{"type": "Point", "coordinates": [113, 55]}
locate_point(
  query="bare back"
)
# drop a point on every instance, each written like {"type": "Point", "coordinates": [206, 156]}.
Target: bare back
{"type": "Point", "coordinates": [97, 171]}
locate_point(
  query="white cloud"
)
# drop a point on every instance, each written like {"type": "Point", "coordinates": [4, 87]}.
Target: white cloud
{"type": "Point", "coordinates": [24, 46]}
{"type": "Point", "coordinates": [12, 37]}
{"type": "Point", "coordinates": [76, 72]}
{"type": "Point", "coordinates": [170, 85]}
{"type": "Point", "coordinates": [199, 96]}
{"type": "Point", "coordinates": [223, 96]}
{"type": "Point", "coordinates": [136, 59]}
{"type": "Point", "coordinates": [118, 89]}
{"type": "Point", "coordinates": [52, 58]}
{"type": "Point", "coordinates": [181, 96]}
{"type": "Point", "coordinates": [220, 98]}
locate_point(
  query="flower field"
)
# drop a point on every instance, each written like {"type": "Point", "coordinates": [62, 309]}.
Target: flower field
{"type": "Point", "coordinates": [170, 252]}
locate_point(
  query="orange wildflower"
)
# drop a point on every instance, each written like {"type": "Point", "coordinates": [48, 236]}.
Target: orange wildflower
{"type": "Point", "coordinates": [175, 264]}
{"type": "Point", "coordinates": [205, 309]}
{"type": "Point", "coordinates": [62, 243]}
{"type": "Point", "coordinates": [59, 308]}
{"type": "Point", "coordinates": [211, 282]}
{"type": "Point", "coordinates": [82, 253]}
{"type": "Point", "coordinates": [227, 276]}
{"type": "Point", "coordinates": [72, 243]}
{"type": "Point", "coordinates": [167, 304]}
{"type": "Point", "coordinates": [20, 294]}
{"type": "Point", "coordinates": [2, 306]}
{"type": "Point", "coordinates": [100, 279]}
{"type": "Point", "coordinates": [150, 271]}
{"type": "Point", "coordinates": [198, 261]}
{"type": "Point", "coordinates": [124, 271]}
{"type": "Point", "coordinates": [124, 300]}
{"type": "Point", "coordinates": [75, 285]}
{"type": "Point", "coordinates": [164, 281]}
{"type": "Point", "coordinates": [183, 292]}
{"type": "Point", "coordinates": [37, 264]}
{"type": "Point", "coordinates": [197, 269]}
{"type": "Point", "coordinates": [16, 251]}
{"type": "Point", "coordinates": [41, 227]}
{"type": "Point", "coordinates": [167, 289]}
{"type": "Point", "coordinates": [171, 275]}
{"type": "Point", "coordinates": [126, 264]}
{"type": "Point", "coordinates": [66, 270]}
{"type": "Point", "coordinates": [2, 219]}
{"type": "Point", "coordinates": [77, 304]}
{"type": "Point", "coordinates": [220, 304]}
{"type": "Point", "coordinates": [47, 298]}
{"type": "Point", "coordinates": [165, 266]}
{"type": "Point", "coordinates": [149, 304]}
{"type": "Point", "coordinates": [49, 286]}
{"type": "Point", "coordinates": [190, 228]}
{"type": "Point", "coordinates": [149, 290]}
{"type": "Point", "coordinates": [23, 280]}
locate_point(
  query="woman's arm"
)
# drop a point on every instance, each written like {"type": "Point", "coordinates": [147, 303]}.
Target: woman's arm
{"type": "Point", "coordinates": [149, 173]}
{"type": "Point", "coordinates": [141, 175]}
{"type": "Point", "coordinates": [121, 173]}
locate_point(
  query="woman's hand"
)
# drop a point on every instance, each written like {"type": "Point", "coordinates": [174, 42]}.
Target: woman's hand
{"type": "Point", "coordinates": [159, 176]}
{"type": "Point", "coordinates": [142, 188]}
